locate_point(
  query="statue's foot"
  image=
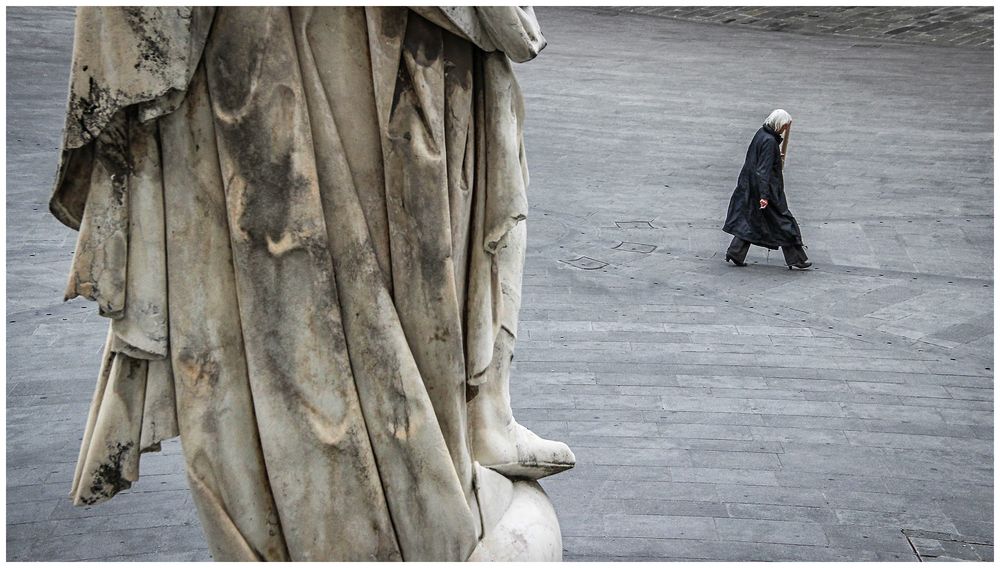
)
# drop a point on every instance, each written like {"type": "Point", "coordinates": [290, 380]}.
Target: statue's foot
{"type": "Point", "coordinates": [519, 453]}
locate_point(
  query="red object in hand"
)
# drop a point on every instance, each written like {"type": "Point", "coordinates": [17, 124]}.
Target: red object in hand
{"type": "Point", "coordinates": [763, 203]}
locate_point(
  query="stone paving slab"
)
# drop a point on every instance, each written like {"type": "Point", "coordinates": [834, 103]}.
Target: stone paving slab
{"type": "Point", "coordinates": [718, 413]}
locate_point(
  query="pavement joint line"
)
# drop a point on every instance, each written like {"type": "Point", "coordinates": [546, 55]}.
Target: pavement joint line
{"type": "Point", "coordinates": [912, 546]}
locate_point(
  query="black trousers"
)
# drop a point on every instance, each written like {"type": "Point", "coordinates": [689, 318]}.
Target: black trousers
{"type": "Point", "coordinates": [739, 248]}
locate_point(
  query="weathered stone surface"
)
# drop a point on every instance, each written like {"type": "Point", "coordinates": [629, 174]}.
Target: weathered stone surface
{"type": "Point", "coordinates": [321, 380]}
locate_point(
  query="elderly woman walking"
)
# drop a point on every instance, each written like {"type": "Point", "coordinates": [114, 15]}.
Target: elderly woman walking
{"type": "Point", "coordinates": [758, 213]}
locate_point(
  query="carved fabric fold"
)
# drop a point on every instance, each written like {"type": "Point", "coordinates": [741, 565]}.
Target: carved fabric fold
{"type": "Point", "coordinates": [120, 263]}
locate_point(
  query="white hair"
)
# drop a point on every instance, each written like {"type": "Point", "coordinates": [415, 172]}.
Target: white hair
{"type": "Point", "coordinates": [777, 119]}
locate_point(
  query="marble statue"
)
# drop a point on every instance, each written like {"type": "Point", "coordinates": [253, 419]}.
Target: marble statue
{"type": "Point", "coordinates": [306, 226]}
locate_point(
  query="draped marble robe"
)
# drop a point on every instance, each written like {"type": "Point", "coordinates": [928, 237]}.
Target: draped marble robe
{"type": "Point", "coordinates": [305, 227]}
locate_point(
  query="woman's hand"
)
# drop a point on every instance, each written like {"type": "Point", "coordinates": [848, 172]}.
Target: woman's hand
{"type": "Point", "coordinates": [763, 203]}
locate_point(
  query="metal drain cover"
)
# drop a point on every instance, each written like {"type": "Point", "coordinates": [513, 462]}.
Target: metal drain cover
{"type": "Point", "coordinates": [636, 247]}
{"type": "Point", "coordinates": [586, 263]}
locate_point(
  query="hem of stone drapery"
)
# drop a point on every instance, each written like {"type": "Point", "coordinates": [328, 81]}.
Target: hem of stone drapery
{"type": "Point", "coordinates": [56, 207]}
{"type": "Point", "coordinates": [499, 233]}
{"type": "Point", "coordinates": [511, 30]}
{"type": "Point", "coordinates": [154, 420]}
{"type": "Point", "coordinates": [155, 107]}
{"type": "Point", "coordinates": [111, 468]}
{"type": "Point", "coordinates": [156, 347]}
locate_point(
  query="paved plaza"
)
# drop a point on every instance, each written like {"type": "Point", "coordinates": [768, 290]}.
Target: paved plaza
{"type": "Point", "coordinates": [717, 413]}
{"type": "Point", "coordinates": [964, 26]}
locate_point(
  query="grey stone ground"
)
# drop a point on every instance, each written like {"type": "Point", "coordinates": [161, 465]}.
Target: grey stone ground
{"type": "Point", "coordinates": [720, 413]}
{"type": "Point", "coordinates": [964, 26]}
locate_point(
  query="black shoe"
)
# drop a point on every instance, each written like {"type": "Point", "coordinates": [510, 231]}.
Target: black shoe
{"type": "Point", "coordinates": [734, 261]}
{"type": "Point", "coordinates": [800, 265]}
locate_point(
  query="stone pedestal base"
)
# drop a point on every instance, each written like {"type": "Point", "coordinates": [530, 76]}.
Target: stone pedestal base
{"type": "Point", "coordinates": [519, 521]}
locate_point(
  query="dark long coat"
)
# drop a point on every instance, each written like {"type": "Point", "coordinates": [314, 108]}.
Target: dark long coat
{"type": "Point", "coordinates": [761, 178]}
